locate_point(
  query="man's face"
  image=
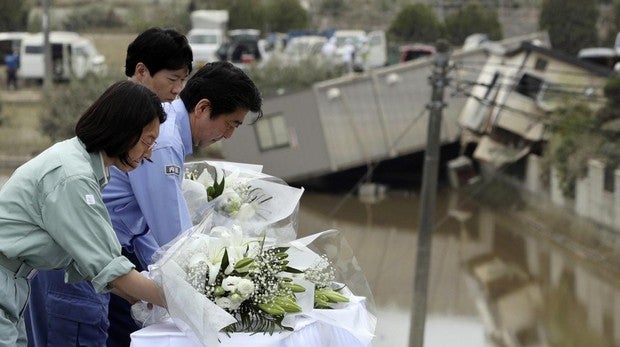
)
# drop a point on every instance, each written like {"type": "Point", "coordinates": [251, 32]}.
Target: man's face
{"type": "Point", "coordinates": [207, 131]}
{"type": "Point", "coordinates": [167, 84]}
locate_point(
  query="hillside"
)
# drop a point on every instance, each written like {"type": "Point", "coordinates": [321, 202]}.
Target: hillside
{"type": "Point", "coordinates": [517, 17]}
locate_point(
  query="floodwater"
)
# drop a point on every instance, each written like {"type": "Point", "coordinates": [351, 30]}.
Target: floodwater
{"type": "Point", "coordinates": [499, 276]}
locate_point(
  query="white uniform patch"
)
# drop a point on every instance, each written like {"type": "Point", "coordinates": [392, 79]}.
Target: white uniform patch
{"type": "Point", "coordinates": [173, 170]}
{"type": "Point", "coordinates": [90, 199]}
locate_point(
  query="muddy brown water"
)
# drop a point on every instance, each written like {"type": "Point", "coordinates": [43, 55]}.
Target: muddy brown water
{"type": "Point", "coordinates": [497, 278]}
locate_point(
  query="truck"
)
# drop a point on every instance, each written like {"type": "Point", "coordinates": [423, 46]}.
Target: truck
{"type": "Point", "coordinates": [208, 33]}
{"type": "Point", "coordinates": [72, 56]}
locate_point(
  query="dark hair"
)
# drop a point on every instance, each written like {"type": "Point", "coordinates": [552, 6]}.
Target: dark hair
{"type": "Point", "coordinates": [159, 49]}
{"type": "Point", "coordinates": [226, 86]}
{"type": "Point", "coordinates": [115, 121]}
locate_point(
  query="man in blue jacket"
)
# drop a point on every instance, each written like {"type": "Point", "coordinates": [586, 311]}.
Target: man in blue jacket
{"type": "Point", "coordinates": [161, 60]}
{"type": "Point", "coordinates": [147, 206]}
{"type": "Point", "coordinates": [12, 65]}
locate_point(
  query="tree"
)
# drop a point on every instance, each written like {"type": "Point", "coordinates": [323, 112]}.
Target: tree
{"type": "Point", "coordinates": [332, 8]}
{"type": "Point", "coordinates": [571, 24]}
{"type": "Point", "coordinates": [68, 102]}
{"type": "Point", "coordinates": [574, 125]}
{"type": "Point", "coordinates": [284, 15]}
{"type": "Point", "coordinates": [416, 22]}
{"type": "Point", "coordinates": [242, 14]}
{"type": "Point", "coordinates": [13, 15]}
{"type": "Point", "coordinates": [472, 19]}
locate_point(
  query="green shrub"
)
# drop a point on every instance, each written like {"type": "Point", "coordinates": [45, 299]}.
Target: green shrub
{"type": "Point", "coordinates": [572, 127]}
{"type": "Point", "coordinates": [473, 19]}
{"type": "Point", "coordinates": [67, 102]}
{"type": "Point", "coordinates": [416, 23]}
{"type": "Point", "coordinates": [276, 77]}
{"type": "Point", "coordinates": [92, 16]}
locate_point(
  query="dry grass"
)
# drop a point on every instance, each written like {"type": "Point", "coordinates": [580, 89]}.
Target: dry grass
{"type": "Point", "coordinates": [19, 130]}
{"type": "Point", "coordinates": [113, 47]}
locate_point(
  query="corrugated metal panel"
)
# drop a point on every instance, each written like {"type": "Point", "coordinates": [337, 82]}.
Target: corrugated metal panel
{"type": "Point", "coordinates": [383, 114]}
{"type": "Point", "coordinates": [350, 121]}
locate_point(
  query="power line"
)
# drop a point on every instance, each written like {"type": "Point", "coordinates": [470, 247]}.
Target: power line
{"type": "Point", "coordinates": [476, 66]}
{"type": "Point", "coordinates": [572, 93]}
{"type": "Point", "coordinates": [556, 86]}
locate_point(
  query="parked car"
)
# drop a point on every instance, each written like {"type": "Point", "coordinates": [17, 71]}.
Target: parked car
{"type": "Point", "coordinates": [415, 51]}
{"type": "Point", "coordinates": [241, 47]}
{"type": "Point", "coordinates": [474, 41]}
{"type": "Point", "coordinates": [301, 47]}
{"type": "Point", "coordinates": [603, 56]}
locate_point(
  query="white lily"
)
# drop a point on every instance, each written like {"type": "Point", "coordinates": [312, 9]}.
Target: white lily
{"type": "Point", "coordinates": [215, 252]}
{"type": "Point", "coordinates": [246, 211]}
{"type": "Point", "coordinates": [205, 178]}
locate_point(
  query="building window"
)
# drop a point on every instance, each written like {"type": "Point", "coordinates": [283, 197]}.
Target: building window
{"type": "Point", "coordinates": [529, 86]}
{"type": "Point", "coordinates": [272, 132]}
{"type": "Point", "coordinates": [541, 64]}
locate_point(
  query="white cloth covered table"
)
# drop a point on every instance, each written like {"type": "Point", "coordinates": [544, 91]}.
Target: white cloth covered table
{"type": "Point", "coordinates": [310, 333]}
{"type": "Point", "coordinates": [350, 326]}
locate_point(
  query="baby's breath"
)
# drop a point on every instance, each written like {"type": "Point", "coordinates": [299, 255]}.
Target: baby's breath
{"type": "Point", "coordinates": [322, 273]}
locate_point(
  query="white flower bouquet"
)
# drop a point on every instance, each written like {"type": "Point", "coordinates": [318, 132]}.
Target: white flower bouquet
{"type": "Point", "coordinates": [240, 194]}
{"type": "Point", "coordinates": [215, 279]}
{"type": "Point", "coordinates": [241, 268]}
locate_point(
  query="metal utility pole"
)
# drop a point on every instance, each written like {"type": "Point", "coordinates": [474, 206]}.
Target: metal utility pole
{"type": "Point", "coordinates": [429, 190]}
{"type": "Point", "coordinates": [47, 48]}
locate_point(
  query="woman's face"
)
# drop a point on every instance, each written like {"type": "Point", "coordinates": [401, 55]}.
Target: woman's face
{"type": "Point", "coordinates": [143, 149]}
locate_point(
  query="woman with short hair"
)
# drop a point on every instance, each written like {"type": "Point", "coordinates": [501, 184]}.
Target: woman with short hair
{"type": "Point", "coordinates": [52, 215]}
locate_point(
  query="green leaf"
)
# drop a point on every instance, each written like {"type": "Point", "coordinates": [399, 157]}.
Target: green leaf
{"type": "Point", "coordinates": [292, 270]}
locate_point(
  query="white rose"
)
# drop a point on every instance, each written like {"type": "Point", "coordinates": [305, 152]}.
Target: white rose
{"type": "Point", "coordinates": [235, 301]}
{"type": "Point", "coordinates": [230, 283]}
{"type": "Point", "coordinates": [223, 302]}
{"type": "Point", "coordinates": [245, 288]}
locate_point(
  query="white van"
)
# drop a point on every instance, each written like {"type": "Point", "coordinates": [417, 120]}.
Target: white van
{"type": "Point", "coordinates": [72, 55]}
{"type": "Point", "coordinates": [371, 48]}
